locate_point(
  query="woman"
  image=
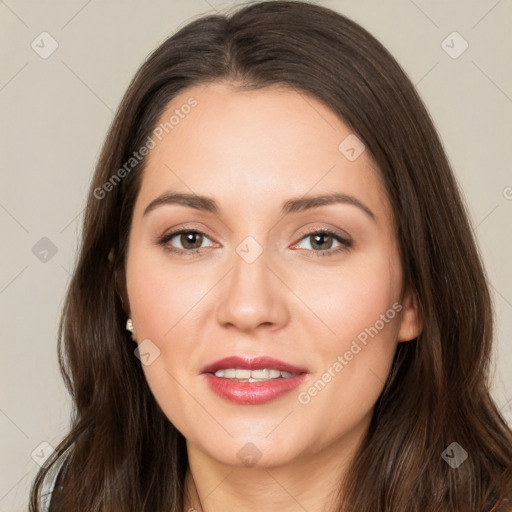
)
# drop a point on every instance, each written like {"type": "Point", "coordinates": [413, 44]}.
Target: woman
{"type": "Point", "coordinates": [263, 376]}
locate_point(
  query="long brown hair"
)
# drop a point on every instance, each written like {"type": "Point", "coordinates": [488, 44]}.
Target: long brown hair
{"type": "Point", "coordinates": [122, 453]}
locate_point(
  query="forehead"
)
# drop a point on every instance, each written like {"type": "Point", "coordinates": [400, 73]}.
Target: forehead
{"type": "Point", "coordinates": [262, 146]}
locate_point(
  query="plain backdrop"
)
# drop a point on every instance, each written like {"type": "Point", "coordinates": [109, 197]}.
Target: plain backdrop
{"type": "Point", "coordinates": [58, 101]}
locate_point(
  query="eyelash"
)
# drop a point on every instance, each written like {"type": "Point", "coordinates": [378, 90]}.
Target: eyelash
{"type": "Point", "coordinates": [164, 241]}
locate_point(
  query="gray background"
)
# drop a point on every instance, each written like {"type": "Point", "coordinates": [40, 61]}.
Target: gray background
{"type": "Point", "coordinates": [55, 112]}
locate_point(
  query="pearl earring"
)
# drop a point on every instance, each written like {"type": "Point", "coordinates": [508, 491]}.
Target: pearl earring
{"type": "Point", "coordinates": [131, 328]}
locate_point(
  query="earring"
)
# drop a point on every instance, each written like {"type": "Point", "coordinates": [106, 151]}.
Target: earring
{"type": "Point", "coordinates": [131, 328]}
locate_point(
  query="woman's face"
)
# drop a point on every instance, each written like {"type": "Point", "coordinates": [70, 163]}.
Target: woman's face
{"type": "Point", "coordinates": [265, 282]}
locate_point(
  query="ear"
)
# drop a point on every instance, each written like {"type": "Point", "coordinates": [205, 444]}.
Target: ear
{"type": "Point", "coordinates": [120, 282]}
{"type": "Point", "coordinates": [410, 320]}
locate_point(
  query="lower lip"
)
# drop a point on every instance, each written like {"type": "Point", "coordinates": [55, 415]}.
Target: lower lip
{"type": "Point", "coordinates": [253, 393]}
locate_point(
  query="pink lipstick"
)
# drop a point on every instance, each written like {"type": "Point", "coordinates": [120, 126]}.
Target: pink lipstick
{"type": "Point", "coordinates": [247, 381]}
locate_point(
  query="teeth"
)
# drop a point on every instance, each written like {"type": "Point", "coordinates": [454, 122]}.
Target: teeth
{"type": "Point", "coordinates": [243, 374]}
{"type": "Point", "coordinates": [252, 375]}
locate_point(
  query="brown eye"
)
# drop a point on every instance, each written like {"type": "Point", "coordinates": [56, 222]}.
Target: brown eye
{"type": "Point", "coordinates": [321, 243]}
{"type": "Point", "coordinates": [189, 240]}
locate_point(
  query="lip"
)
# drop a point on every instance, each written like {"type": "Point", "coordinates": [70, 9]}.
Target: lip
{"type": "Point", "coordinates": [252, 393]}
{"type": "Point", "coordinates": [255, 363]}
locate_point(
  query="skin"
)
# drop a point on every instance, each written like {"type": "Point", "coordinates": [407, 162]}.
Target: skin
{"type": "Point", "coordinates": [251, 151]}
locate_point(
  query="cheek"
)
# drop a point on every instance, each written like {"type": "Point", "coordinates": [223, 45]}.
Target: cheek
{"type": "Point", "coordinates": [351, 299]}
{"type": "Point", "coordinates": [162, 297]}
{"type": "Point", "coordinates": [358, 312]}
{"type": "Point", "coordinates": [159, 302]}
{"type": "Point", "coordinates": [151, 300]}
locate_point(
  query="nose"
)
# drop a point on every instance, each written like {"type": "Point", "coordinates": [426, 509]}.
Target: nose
{"type": "Point", "coordinates": [253, 294]}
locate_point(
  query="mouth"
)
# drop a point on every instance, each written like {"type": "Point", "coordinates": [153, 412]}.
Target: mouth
{"type": "Point", "coordinates": [252, 381]}
{"type": "Point", "coordinates": [263, 375]}
{"type": "Point", "coordinates": [243, 367]}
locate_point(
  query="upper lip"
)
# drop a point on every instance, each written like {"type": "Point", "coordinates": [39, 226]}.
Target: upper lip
{"type": "Point", "coordinates": [254, 363]}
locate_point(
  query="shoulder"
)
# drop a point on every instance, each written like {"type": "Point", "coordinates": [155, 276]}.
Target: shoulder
{"type": "Point", "coordinates": [49, 485]}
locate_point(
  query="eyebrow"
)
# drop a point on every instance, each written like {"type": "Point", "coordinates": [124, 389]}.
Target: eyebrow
{"type": "Point", "coordinates": [290, 206]}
